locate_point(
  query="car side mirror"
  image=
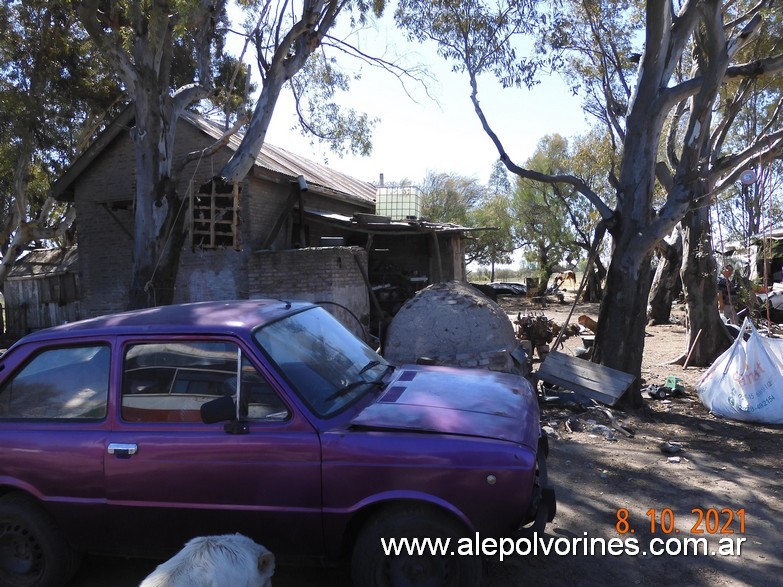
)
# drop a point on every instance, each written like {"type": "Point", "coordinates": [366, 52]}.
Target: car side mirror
{"type": "Point", "coordinates": [221, 409]}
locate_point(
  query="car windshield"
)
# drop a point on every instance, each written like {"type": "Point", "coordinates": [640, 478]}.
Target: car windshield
{"type": "Point", "coordinates": [325, 364]}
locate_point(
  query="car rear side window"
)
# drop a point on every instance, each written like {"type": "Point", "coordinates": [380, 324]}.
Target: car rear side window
{"type": "Point", "coordinates": [169, 381]}
{"type": "Point", "coordinates": [59, 383]}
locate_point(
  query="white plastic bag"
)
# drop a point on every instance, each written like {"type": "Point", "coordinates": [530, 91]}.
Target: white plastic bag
{"type": "Point", "coordinates": [745, 382]}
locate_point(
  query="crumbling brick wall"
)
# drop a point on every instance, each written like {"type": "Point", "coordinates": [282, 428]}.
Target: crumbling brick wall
{"type": "Point", "coordinates": [329, 274]}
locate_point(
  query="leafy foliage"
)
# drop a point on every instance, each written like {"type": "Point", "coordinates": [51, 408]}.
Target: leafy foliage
{"type": "Point", "coordinates": [448, 197]}
{"type": "Point", "coordinates": [475, 36]}
{"type": "Point", "coordinates": [320, 116]}
{"type": "Point", "coordinates": [54, 91]}
{"type": "Point", "coordinates": [232, 90]}
{"type": "Point", "coordinates": [495, 246]}
{"type": "Point", "coordinates": [491, 247]}
{"type": "Point", "coordinates": [541, 211]}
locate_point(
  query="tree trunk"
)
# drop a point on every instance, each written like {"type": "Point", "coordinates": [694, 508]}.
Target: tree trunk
{"type": "Point", "coordinates": [667, 283]}
{"type": "Point", "coordinates": [700, 284]}
{"type": "Point", "coordinates": [619, 341]}
{"type": "Point", "coordinates": [158, 235]}
{"type": "Point", "coordinates": [593, 291]}
{"type": "Point", "coordinates": [243, 159]}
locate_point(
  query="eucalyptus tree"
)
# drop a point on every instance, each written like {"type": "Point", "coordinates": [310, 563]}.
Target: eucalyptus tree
{"type": "Point", "coordinates": [449, 197]}
{"type": "Point", "coordinates": [496, 244]}
{"type": "Point", "coordinates": [54, 89]}
{"type": "Point", "coordinates": [743, 212]}
{"type": "Point", "coordinates": [591, 157]}
{"type": "Point", "coordinates": [730, 147]}
{"type": "Point", "coordinates": [142, 40]}
{"type": "Point", "coordinates": [638, 108]}
{"type": "Point", "coordinates": [493, 243]}
{"type": "Point", "coordinates": [751, 106]}
{"type": "Point", "coordinates": [540, 211]}
{"type": "Point", "coordinates": [498, 180]}
{"type": "Point", "coordinates": [720, 51]}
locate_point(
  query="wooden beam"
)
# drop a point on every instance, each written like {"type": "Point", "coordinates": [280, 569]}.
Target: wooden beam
{"type": "Point", "coordinates": [287, 208]}
{"type": "Point", "coordinates": [117, 220]}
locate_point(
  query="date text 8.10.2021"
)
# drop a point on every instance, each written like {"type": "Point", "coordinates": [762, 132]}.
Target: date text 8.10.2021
{"type": "Point", "coordinates": [706, 521]}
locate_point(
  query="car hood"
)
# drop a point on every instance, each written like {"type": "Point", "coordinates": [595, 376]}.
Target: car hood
{"type": "Point", "coordinates": [452, 400]}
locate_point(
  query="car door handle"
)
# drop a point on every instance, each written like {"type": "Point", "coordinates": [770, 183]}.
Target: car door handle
{"type": "Point", "coordinates": [122, 449]}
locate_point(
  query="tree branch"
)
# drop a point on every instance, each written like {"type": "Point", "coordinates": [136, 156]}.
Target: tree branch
{"type": "Point", "coordinates": [213, 148]}
{"type": "Point", "coordinates": [606, 213]}
{"type": "Point", "coordinates": [92, 19]}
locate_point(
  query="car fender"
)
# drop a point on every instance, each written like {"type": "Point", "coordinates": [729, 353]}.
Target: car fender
{"type": "Point", "coordinates": [341, 525]}
{"type": "Point", "coordinates": [12, 484]}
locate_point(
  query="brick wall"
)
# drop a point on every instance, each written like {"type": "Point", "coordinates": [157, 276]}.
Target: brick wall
{"type": "Point", "coordinates": [105, 231]}
{"type": "Point", "coordinates": [328, 274]}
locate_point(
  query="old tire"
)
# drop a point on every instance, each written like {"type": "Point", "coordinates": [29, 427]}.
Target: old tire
{"type": "Point", "coordinates": [371, 567]}
{"type": "Point", "coordinates": [33, 552]}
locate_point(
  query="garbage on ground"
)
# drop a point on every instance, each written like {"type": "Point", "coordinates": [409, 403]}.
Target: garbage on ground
{"type": "Point", "coordinates": [663, 392]}
{"type": "Point", "coordinates": [675, 384]}
{"type": "Point", "coordinates": [671, 448]}
{"type": "Point", "coordinates": [595, 420]}
{"type": "Point", "coordinates": [540, 331]}
{"type": "Point", "coordinates": [607, 432]}
{"type": "Point", "coordinates": [567, 399]}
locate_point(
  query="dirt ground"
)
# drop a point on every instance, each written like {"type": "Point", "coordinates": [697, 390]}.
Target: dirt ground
{"type": "Point", "coordinates": [727, 470]}
{"type": "Point", "coordinates": [722, 464]}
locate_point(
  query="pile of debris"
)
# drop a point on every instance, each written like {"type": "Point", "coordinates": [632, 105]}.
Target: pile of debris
{"type": "Point", "coordinates": [589, 418]}
{"type": "Point", "coordinates": [541, 331]}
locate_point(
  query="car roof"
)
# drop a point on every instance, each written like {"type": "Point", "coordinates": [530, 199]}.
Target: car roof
{"type": "Point", "coordinates": [193, 318]}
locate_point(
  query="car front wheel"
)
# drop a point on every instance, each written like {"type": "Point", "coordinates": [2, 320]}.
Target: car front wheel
{"type": "Point", "coordinates": [32, 551]}
{"type": "Point", "coordinates": [372, 566]}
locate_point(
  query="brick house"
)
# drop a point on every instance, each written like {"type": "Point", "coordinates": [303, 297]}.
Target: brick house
{"type": "Point", "coordinates": [295, 230]}
{"type": "Point", "coordinates": [219, 260]}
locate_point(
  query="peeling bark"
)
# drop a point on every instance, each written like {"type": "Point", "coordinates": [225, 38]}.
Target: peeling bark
{"type": "Point", "coordinates": [701, 291]}
{"type": "Point", "coordinates": [619, 341]}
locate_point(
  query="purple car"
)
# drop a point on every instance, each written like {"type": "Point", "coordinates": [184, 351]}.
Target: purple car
{"type": "Point", "coordinates": [132, 433]}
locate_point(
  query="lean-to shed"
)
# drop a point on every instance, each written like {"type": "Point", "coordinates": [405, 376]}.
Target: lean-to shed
{"type": "Point", "coordinates": [42, 290]}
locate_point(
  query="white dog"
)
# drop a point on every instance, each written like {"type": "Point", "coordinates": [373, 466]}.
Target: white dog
{"type": "Point", "coordinates": [231, 560]}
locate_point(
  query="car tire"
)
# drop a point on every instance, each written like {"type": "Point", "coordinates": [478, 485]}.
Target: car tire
{"type": "Point", "coordinates": [33, 552]}
{"type": "Point", "coordinates": [371, 567]}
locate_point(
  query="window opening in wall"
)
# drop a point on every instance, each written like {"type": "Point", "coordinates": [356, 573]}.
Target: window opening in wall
{"type": "Point", "coordinates": [215, 216]}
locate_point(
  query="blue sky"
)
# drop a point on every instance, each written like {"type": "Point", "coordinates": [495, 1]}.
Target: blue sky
{"type": "Point", "coordinates": [442, 135]}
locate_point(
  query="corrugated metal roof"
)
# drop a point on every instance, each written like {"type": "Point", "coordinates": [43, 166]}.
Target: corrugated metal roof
{"type": "Point", "coordinates": [274, 159]}
{"type": "Point", "coordinates": [387, 225]}
{"type": "Point", "coordinates": [45, 263]}
{"type": "Point", "coordinates": [292, 165]}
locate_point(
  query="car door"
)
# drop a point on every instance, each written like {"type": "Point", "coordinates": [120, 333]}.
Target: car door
{"type": "Point", "coordinates": [53, 426]}
{"type": "Point", "coordinates": [169, 477]}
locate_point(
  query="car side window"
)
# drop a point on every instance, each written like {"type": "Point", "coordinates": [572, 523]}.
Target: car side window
{"type": "Point", "coordinates": [59, 383]}
{"type": "Point", "coordinates": [169, 381]}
